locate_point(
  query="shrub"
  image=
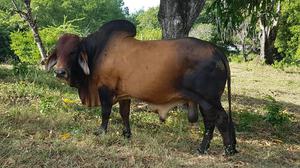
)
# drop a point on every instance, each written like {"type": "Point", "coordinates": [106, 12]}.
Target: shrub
{"type": "Point", "coordinates": [25, 48]}
{"type": "Point", "coordinates": [288, 36]}
{"type": "Point", "coordinates": [236, 58]}
{"type": "Point", "coordinates": [5, 51]}
{"type": "Point", "coordinates": [275, 114]}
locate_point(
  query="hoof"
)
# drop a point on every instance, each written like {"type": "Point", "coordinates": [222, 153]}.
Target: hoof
{"type": "Point", "coordinates": [126, 134]}
{"type": "Point", "coordinates": [202, 151]}
{"type": "Point", "coordinates": [230, 150]}
{"type": "Point", "coordinates": [99, 131]}
{"type": "Point", "coordinates": [203, 148]}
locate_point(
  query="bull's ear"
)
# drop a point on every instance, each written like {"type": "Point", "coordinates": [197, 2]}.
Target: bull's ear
{"type": "Point", "coordinates": [51, 61]}
{"type": "Point", "coordinates": [83, 62]}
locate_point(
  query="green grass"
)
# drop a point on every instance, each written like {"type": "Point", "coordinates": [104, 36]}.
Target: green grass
{"type": "Point", "coordinates": [42, 124]}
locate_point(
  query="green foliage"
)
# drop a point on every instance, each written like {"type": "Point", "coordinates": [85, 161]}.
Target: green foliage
{"type": "Point", "coordinates": [148, 19]}
{"type": "Point", "coordinates": [203, 31]}
{"type": "Point", "coordinates": [236, 58]}
{"type": "Point", "coordinates": [149, 34]}
{"type": "Point", "coordinates": [286, 63]}
{"type": "Point", "coordinates": [5, 51]}
{"type": "Point", "coordinates": [288, 36]}
{"type": "Point", "coordinates": [50, 34]}
{"type": "Point", "coordinates": [275, 114]}
{"type": "Point", "coordinates": [25, 48]}
{"type": "Point", "coordinates": [92, 13]}
{"type": "Point", "coordinates": [8, 23]}
{"type": "Point", "coordinates": [148, 27]}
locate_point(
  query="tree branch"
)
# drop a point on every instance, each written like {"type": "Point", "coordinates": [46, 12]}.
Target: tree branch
{"type": "Point", "coordinates": [27, 17]}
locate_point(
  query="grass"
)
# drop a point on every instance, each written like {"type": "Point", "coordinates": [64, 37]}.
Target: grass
{"type": "Point", "coordinates": [42, 124]}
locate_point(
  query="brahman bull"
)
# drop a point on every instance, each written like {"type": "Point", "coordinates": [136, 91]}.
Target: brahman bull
{"type": "Point", "coordinates": [112, 66]}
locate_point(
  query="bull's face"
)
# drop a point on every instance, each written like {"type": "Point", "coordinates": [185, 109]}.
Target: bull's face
{"type": "Point", "coordinates": [69, 59]}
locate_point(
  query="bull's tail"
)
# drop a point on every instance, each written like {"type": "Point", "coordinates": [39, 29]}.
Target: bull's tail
{"type": "Point", "coordinates": [229, 92]}
{"type": "Point", "coordinates": [229, 149]}
{"type": "Point", "coordinates": [227, 68]}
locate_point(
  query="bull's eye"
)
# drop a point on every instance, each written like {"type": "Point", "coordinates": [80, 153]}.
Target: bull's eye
{"type": "Point", "coordinates": [73, 53]}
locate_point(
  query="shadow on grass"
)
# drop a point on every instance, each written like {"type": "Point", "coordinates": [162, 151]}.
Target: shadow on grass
{"type": "Point", "coordinates": [253, 124]}
{"type": "Point", "coordinates": [255, 102]}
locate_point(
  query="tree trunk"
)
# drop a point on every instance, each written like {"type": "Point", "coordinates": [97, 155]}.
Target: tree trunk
{"type": "Point", "coordinates": [27, 16]}
{"type": "Point", "coordinates": [267, 36]}
{"type": "Point", "coordinates": [244, 50]}
{"type": "Point", "coordinates": [176, 17]}
{"type": "Point", "coordinates": [263, 37]}
{"type": "Point", "coordinates": [38, 42]}
{"type": "Point", "coordinates": [242, 34]}
{"type": "Point", "coordinates": [267, 40]}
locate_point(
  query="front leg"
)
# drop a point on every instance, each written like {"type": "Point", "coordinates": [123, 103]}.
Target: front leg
{"type": "Point", "coordinates": [125, 112]}
{"type": "Point", "coordinates": [106, 99]}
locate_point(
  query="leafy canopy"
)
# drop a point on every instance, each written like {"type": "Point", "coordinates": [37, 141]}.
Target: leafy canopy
{"type": "Point", "coordinates": [90, 14]}
{"type": "Point", "coordinates": [288, 36]}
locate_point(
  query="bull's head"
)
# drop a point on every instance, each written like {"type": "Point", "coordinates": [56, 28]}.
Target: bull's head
{"type": "Point", "coordinates": [69, 58]}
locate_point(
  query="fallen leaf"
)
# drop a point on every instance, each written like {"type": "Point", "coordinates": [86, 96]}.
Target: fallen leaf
{"type": "Point", "coordinates": [65, 136]}
{"type": "Point", "coordinates": [69, 101]}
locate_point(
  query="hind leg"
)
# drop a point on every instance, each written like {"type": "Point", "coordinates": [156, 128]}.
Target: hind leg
{"type": "Point", "coordinates": [227, 130]}
{"type": "Point", "coordinates": [209, 118]}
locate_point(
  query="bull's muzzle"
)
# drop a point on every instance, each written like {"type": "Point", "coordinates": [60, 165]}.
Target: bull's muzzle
{"type": "Point", "coordinates": [61, 73]}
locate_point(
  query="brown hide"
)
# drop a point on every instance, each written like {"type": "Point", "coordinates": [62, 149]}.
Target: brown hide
{"type": "Point", "coordinates": [88, 94]}
{"type": "Point", "coordinates": [147, 70]}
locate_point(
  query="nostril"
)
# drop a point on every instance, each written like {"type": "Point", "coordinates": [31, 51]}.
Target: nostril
{"type": "Point", "coordinates": [60, 72]}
